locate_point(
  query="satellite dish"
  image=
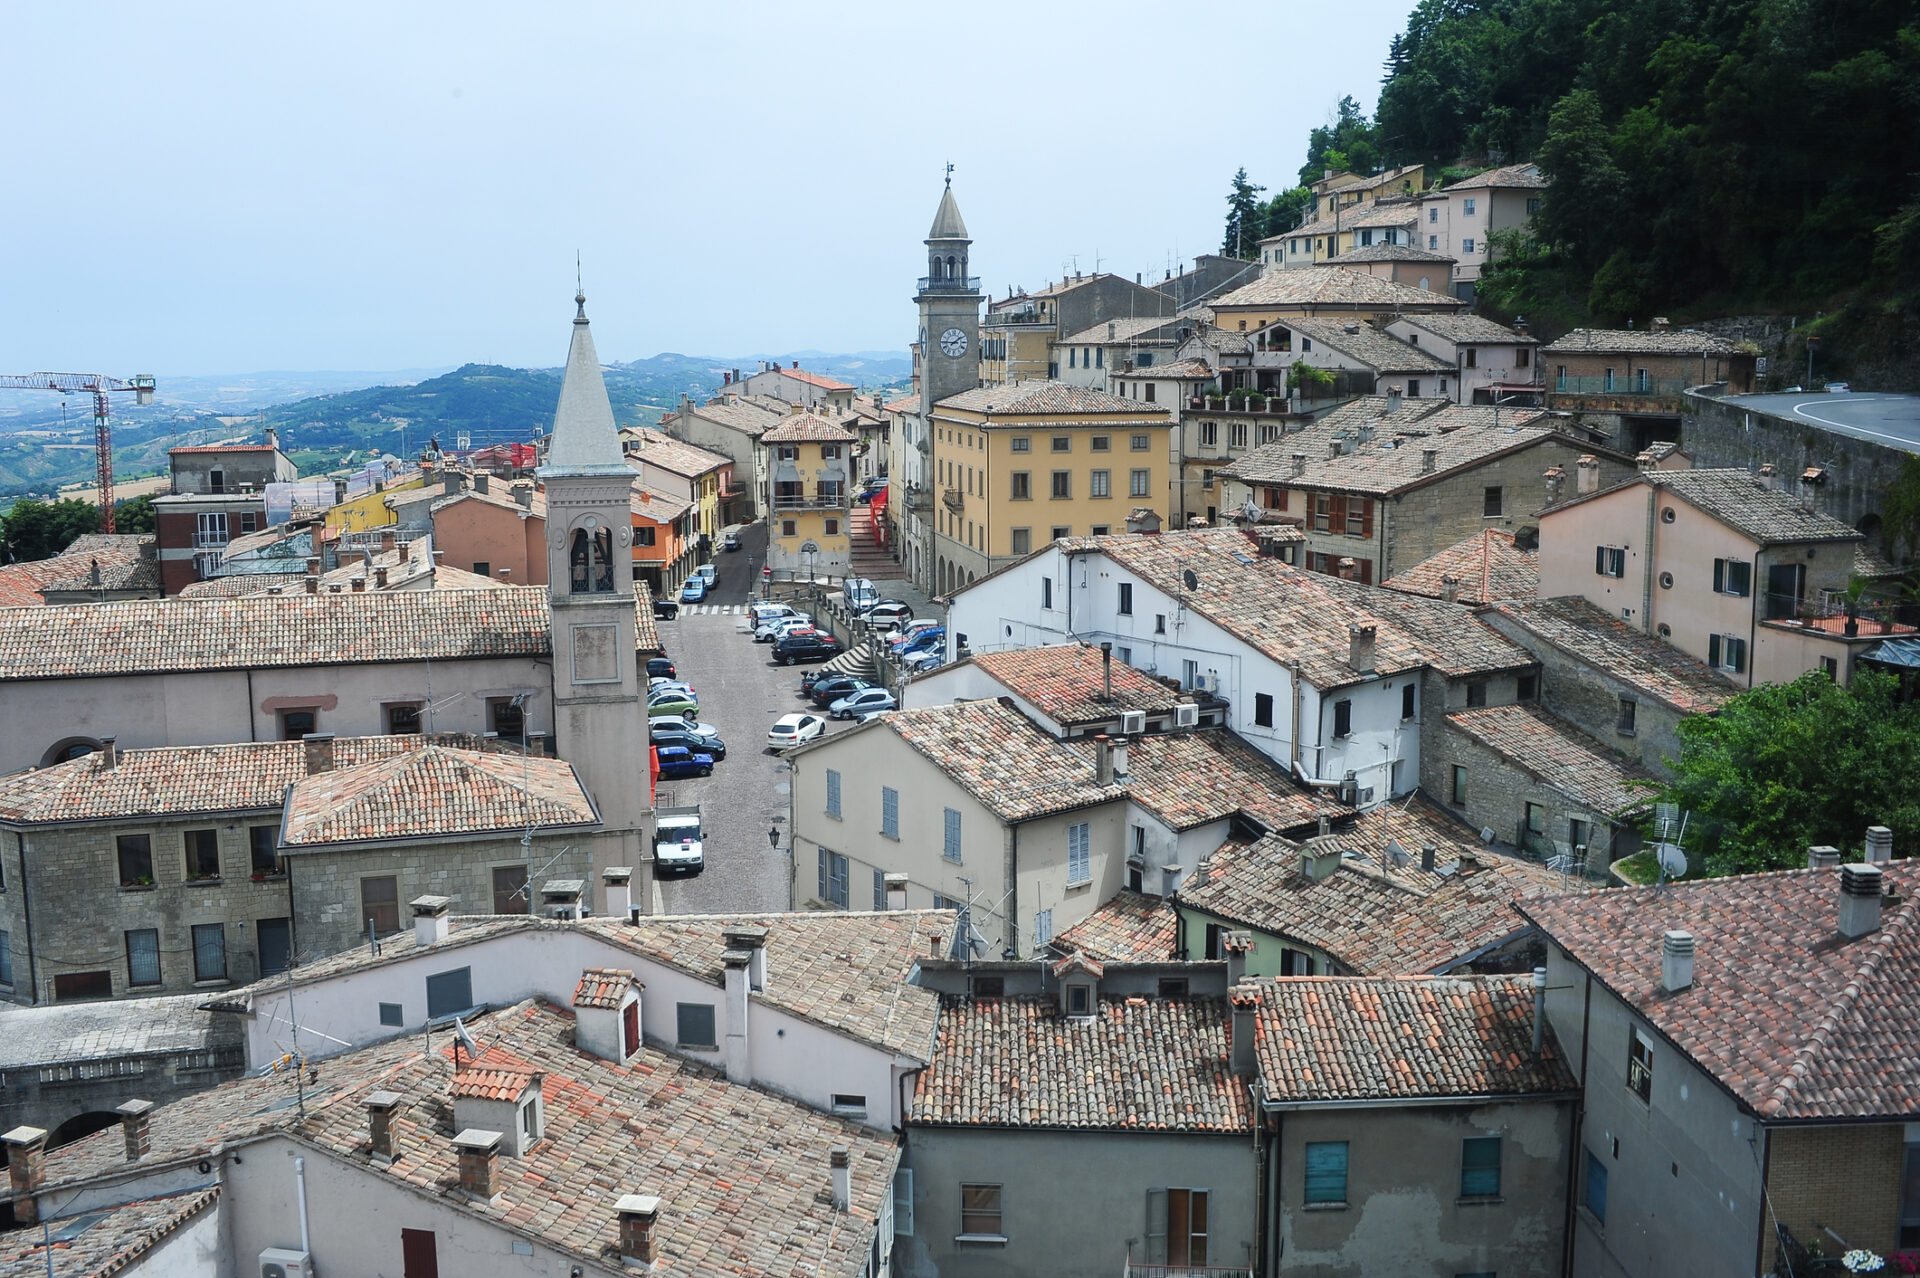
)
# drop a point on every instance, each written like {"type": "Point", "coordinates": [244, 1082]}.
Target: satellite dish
{"type": "Point", "coordinates": [465, 1039]}
{"type": "Point", "coordinates": [1672, 859]}
{"type": "Point", "coordinates": [1191, 578]}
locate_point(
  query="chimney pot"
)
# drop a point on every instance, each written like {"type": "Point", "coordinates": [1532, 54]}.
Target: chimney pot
{"type": "Point", "coordinates": [1676, 961]}
{"type": "Point", "coordinates": [1859, 900]}
{"type": "Point", "coordinates": [359, 585]}
{"type": "Point", "coordinates": [135, 1119]}
{"type": "Point", "coordinates": [1428, 855]}
{"type": "Point", "coordinates": [382, 1108]}
{"type": "Point", "coordinates": [1121, 774]}
{"type": "Point", "coordinates": [638, 1214]}
{"type": "Point", "coordinates": [1588, 470]}
{"type": "Point", "coordinates": [1246, 1004]}
{"type": "Point", "coordinates": [1237, 945]}
{"type": "Point", "coordinates": [1393, 400]}
{"type": "Point", "coordinates": [26, 1170]}
{"type": "Point", "coordinates": [1299, 464]}
{"type": "Point", "coordinates": [429, 919]}
{"type": "Point", "coordinates": [840, 1160]}
{"type": "Point", "coordinates": [110, 751]}
{"type": "Point", "coordinates": [380, 577]}
{"type": "Point", "coordinates": [313, 565]}
{"type": "Point", "coordinates": [1449, 589]}
{"type": "Point", "coordinates": [312, 584]}
{"type": "Point", "coordinates": [1821, 857]}
{"type": "Point", "coordinates": [1879, 844]}
{"type": "Point", "coordinates": [1360, 642]}
{"type": "Point", "coordinates": [616, 882]}
{"type": "Point", "coordinates": [896, 886]}
{"type": "Point", "coordinates": [388, 541]}
{"type": "Point", "coordinates": [1539, 1010]}
{"type": "Point", "coordinates": [319, 752]}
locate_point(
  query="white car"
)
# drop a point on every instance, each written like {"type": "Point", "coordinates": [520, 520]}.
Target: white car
{"type": "Point", "coordinates": [861, 702]}
{"type": "Point", "coordinates": [905, 633]}
{"type": "Point", "coordinates": [780, 627]}
{"type": "Point", "coordinates": [793, 729]}
{"type": "Point", "coordinates": [691, 729]}
{"type": "Point", "coordinates": [761, 613]}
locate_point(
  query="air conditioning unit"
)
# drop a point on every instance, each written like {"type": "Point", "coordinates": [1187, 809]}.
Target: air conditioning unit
{"type": "Point", "coordinates": [1133, 721]}
{"type": "Point", "coordinates": [283, 1262]}
{"type": "Point", "coordinates": [1186, 715]}
{"type": "Point", "coordinates": [1207, 683]}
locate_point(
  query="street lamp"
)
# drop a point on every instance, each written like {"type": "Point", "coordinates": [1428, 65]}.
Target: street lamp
{"type": "Point", "coordinates": [773, 837]}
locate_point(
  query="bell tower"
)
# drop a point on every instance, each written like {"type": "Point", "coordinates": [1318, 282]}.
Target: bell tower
{"type": "Point", "coordinates": [949, 300]}
{"type": "Point", "coordinates": [600, 721]}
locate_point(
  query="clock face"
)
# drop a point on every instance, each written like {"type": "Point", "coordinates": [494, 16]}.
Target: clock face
{"type": "Point", "coordinates": [953, 343]}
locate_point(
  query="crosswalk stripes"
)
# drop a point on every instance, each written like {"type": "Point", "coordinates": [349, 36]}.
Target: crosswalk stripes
{"type": "Point", "coordinates": [698, 610]}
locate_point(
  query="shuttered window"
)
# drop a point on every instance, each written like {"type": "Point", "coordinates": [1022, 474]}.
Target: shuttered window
{"type": "Point", "coordinates": [1326, 1180]}
{"type": "Point", "coordinates": [889, 812]}
{"type": "Point", "coordinates": [833, 793]}
{"type": "Point", "coordinates": [1079, 854]}
{"type": "Point", "coordinates": [950, 849]}
{"type": "Point", "coordinates": [1480, 1167]}
{"type": "Point", "coordinates": [903, 1203]}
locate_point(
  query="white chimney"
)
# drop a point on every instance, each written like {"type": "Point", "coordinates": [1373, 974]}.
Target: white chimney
{"type": "Point", "coordinates": [896, 891]}
{"type": "Point", "coordinates": [616, 885]}
{"type": "Point", "coordinates": [753, 939]}
{"type": "Point", "coordinates": [1393, 400]}
{"type": "Point", "coordinates": [1587, 470]}
{"type": "Point", "coordinates": [1859, 900]}
{"type": "Point", "coordinates": [429, 919]}
{"type": "Point", "coordinates": [739, 1064]}
{"type": "Point", "coordinates": [561, 897]}
{"type": "Point", "coordinates": [840, 1159]}
{"type": "Point", "coordinates": [1822, 857]}
{"type": "Point", "coordinates": [1676, 961]}
{"type": "Point", "coordinates": [1879, 844]}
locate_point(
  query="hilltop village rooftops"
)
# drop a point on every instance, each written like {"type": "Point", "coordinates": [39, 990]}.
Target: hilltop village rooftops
{"type": "Point", "coordinates": [1069, 682]}
{"type": "Point", "coordinates": [1132, 927]}
{"type": "Point", "coordinates": [1591, 635]}
{"type": "Point", "coordinates": [1484, 568]}
{"type": "Point", "coordinates": [1389, 464]}
{"type": "Point", "coordinates": [1132, 328]}
{"type": "Point", "coordinates": [1021, 399]}
{"type": "Point", "coordinates": [122, 561]}
{"type": "Point", "coordinates": [739, 412]}
{"type": "Point", "coordinates": [1338, 286]}
{"type": "Point", "coordinates": [96, 1244]}
{"type": "Point", "coordinates": [1368, 345]}
{"type": "Point", "coordinates": [1465, 328]}
{"type": "Point", "coordinates": [432, 792]}
{"type": "Point", "coordinates": [657, 448]}
{"type": "Point", "coordinates": [1633, 341]}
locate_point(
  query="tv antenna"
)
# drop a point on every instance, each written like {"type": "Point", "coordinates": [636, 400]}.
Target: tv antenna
{"type": "Point", "coordinates": [1669, 833]}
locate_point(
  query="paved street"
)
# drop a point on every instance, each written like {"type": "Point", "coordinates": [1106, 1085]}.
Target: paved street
{"type": "Point", "coordinates": [741, 694]}
{"type": "Point", "coordinates": [1885, 419]}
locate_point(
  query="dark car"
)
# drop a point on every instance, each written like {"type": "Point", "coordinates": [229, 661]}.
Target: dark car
{"type": "Point", "coordinates": [660, 667]}
{"type": "Point", "coordinates": [808, 647]}
{"type": "Point", "coordinates": [830, 688]}
{"type": "Point", "coordinates": [665, 610]}
{"type": "Point", "coordinates": [678, 761]}
{"type": "Point", "coordinates": [690, 741]}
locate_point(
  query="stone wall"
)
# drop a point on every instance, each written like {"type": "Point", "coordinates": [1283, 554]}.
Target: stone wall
{"type": "Point", "coordinates": [1846, 1179]}
{"type": "Point", "coordinates": [1498, 790]}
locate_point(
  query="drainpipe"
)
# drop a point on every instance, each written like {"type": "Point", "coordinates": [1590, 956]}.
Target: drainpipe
{"type": "Point", "coordinates": [1754, 581]}
{"type": "Point", "coordinates": [1294, 745]}
{"type": "Point", "coordinates": [1646, 558]}
{"type": "Point", "coordinates": [1576, 1125]}
{"type": "Point", "coordinates": [300, 1187]}
{"type": "Point", "coordinates": [1011, 919]}
{"type": "Point", "coordinates": [26, 908]}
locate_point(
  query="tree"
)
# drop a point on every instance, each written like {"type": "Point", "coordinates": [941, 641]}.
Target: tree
{"type": "Point", "coordinates": [1347, 141]}
{"type": "Point", "coordinates": [1580, 211]}
{"type": "Point", "coordinates": [1785, 767]}
{"type": "Point", "coordinates": [41, 530]}
{"type": "Point", "coordinates": [1900, 509]}
{"type": "Point", "coordinates": [1245, 220]}
{"type": "Point", "coordinates": [1285, 211]}
{"type": "Point", "coordinates": [134, 515]}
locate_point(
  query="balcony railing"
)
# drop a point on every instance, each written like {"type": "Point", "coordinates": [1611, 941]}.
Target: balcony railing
{"type": "Point", "coordinates": [1633, 385]}
{"type": "Point", "coordinates": [838, 502]}
{"type": "Point", "coordinates": [954, 501]}
{"type": "Point", "coordinates": [949, 283]}
{"type": "Point", "coordinates": [210, 540]}
{"type": "Point", "coordinates": [1003, 319]}
{"type": "Point", "coordinates": [1134, 1269]}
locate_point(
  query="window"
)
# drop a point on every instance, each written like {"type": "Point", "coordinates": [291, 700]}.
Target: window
{"type": "Point", "coordinates": [1263, 710]}
{"type": "Point", "coordinates": [1624, 723]}
{"type": "Point", "coordinates": [1473, 357]}
{"type": "Point", "coordinates": [1062, 483]}
{"type": "Point", "coordinates": [1022, 541]}
{"type": "Point", "coordinates": [1433, 241]}
{"type": "Point", "coordinates": [1359, 516]}
{"type": "Point", "coordinates": [1206, 478]}
{"type": "Point", "coordinates": [509, 720]}
{"type": "Point", "coordinates": [645, 535]}
{"type": "Point", "coordinates": [980, 1211]}
{"type": "Point", "coordinates": [1046, 592]}
{"type": "Point", "coordinates": [1063, 443]}
{"type": "Point", "coordinates": [6, 959]}
{"type": "Point", "coordinates": [1079, 854]}
{"type": "Point", "coordinates": [1061, 530]}
{"type": "Point", "coordinates": [380, 903]}
{"type": "Point", "coordinates": [1236, 435]}
{"type": "Point", "coordinates": [1607, 379]}
{"type": "Point", "coordinates": [1126, 598]}
{"type": "Point", "coordinates": [392, 1014]}
{"type": "Point", "coordinates": [1459, 785]}
{"type": "Point", "coordinates": [1102, 444]}
{"type": "Point", "coordinates": [1525, 687]}
{"type": "Point", "coordinates": [1520, 357]}
{"type": "Point", "coordinates": [847, 1106]}
{"type": "Point", "coordinates": [1023, 485]}
{"type": "Point", "coordinates": [1020, 444]}
{"type": "Point", "coordinates": [1433, 215]}
{"type": "Point", "coordinates": [1079, 999]}
{"type": "Point", "coordinates": [209, 951]}
{"type": "Point", "coordinates": [1189, 674]}
{"type": "Point", "coordinates": [1533, 205]}
{"type": "Point", "coordinates": [510, 895]}
{"type": "Point", "coordinates": [1100, 484]}
{"type": "Point", "coordinates": [1831, 668]}
{"type": "Point", "coordinates": [249, 522]}
{"type": "Point", "coordinates": [1150, 388]}
{"type": "Point", "coordinates": [481, 568]}
{"type": "Point", "coordinates": [203, 854]}
{"type": "Point", "coordinates": [1140, 483]}
{"type": "Point", "coordinates": [1343, 718]}
{"type": "Point", "coordinates": [1579, 834]}
{"type": "Point", "coordinates": [295, 724]}
{"type": "Point", "coordinates": [1413, 388]}
{"type": "Point", "coordinates": [1732, 577]}
{"type": "Point", "coordinates": [833, 878]}
{"type": "Point", "coordinates": [1596, 1196]}
{"type": "Point", "coordinates": [833, 528]}
{"type": "Point", "coordinates": [1727, 652]}
{"type": "Point", "coordinates": [1140, 442]}
{"type": "Point", "coordinates": [1406, 701]}
{"type": "Point", "coordinates": [1326, 1180]}
{"type": "Point", "coordinates": [950, 845]}
{"type": "Point", "coordinates": [889, 812]}
{"type": "Point", "coordinates": [788, 452]}
{"type": "Point", "coordinates": [216, 481]}
{"type": "Point", "coordinates": [403, 720]}
{"type": "Point", "coordinates": [1493, 504]}
{"type": "Point", "coordinates": [1466, 206]}
{"type": "Point", "coordinates": [143, 957]}
{"type": "Point", "coordinates": [1042, 927]}
{"type": "Point", "coordinates": [833, 794]}
{"type": "Point", "coordinates": [1477, 693]}
{"type": "Point", "coordinates": [1610, 561]}
{"type": "Point", "coordinates": [261, 849]}
{"type": "Point", "coordinates": [1480, 1167]}
{"type": "Point", "coordinates": [789, 527]}
{"type": "Point", "coordinates": [693, 1026]}
{"type": "Point", "coordinates": [1639, 1065]}
{"type": "Point", "coordinates": [72, 985]}
{"type": "Point", "coordinates": [1536, 822]}
{"type": "Point", "coordinates": [1466, 245]}
{"type": "Point", "coordinates": [1124, 653]}
{"type": "Point", "coordinates": [136, 860]}
{"type": "Point", "coordinates": [1322, 512]}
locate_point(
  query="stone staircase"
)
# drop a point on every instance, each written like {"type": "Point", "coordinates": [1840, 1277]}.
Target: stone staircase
{"type": "Point", "coordinates": [870, 559]}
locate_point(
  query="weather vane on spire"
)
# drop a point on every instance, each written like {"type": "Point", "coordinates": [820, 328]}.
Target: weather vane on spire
{"type": "Point", "coordinates": [949, 174]}
{"type": "Point", "coordinates": [579, 290]}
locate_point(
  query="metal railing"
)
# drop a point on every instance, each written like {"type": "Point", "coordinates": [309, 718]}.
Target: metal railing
{"type": "Point", "coordinates": [953, 499]}
{"type": "Point", "coordinates": [1135, 1269]}
{"type": "Point", "coordinates": [210, 540]}
{"type": "Point", "coordinates": [1632, 384]}
{"type": "Point", "coordinates": [949, 283]}
{"type": "Point", "coordinates": [1008, 319]}
{"type": "Point", "coordinates": [815, 502]}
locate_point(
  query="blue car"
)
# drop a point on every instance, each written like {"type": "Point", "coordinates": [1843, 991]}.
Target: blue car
{"type": "Point", "coordinates": [678, 761]}
{"type": "Point", "coordinates": [925, 641]}
{"type": "Point", "coordinates": [694, 591]}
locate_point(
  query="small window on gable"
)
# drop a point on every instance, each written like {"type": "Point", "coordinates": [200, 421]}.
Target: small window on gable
{"type": "Point", "coordinates": [1079, 999]}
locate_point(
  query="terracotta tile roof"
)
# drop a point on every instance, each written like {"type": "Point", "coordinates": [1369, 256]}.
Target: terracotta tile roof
{"type": "Point", "coordinates": [1388, 253]}
{"type": "Point", "coordinates": [233, 587]}
{"type": "Point", "coordinates": [1558, 755]}
{"type": "Point", "coordinates": [1466, 328]}
{"type": "Point", "coordinates": [1192, 778]}
{"type": "Point", "coordinates": [1368, 345]}
{"type": "Point", "coordinates": [1377, 914]}
{"type": "Point", "coordinates": [433, 791]}
{"type": "Point", "coordinates": [1487, 567]}
{"type": "Point", "coordinates": [1219, 340]}
{"type": "Point", "coordinates": [122, 567]}
{"type": "Point", "coordinates": [657, 448]}
{"type": "Point", "coordinates": [1598, 639]}
{"type": "Point", "coordinates": [1022, 398]}
{"type": "Point", "coordinates": [1526, 176]}
{"type": "Point", "coordinates": [1332, 286]}
{"type": "Point", "coordinates": [603, 987]}
{"type": "Point", "coordinates": [1132, 927]}
{"type": "Point", "coordinates": [536, 509]}
{"type": "Point", "coordinates": [1065, 682]}
{"type": "Point", "coordinates": [659, 508]}
{"type": "Point", "coordinates": [1389, 213]}
{"type": "Point", "coordinates": [713, 1151]}
{"type": "Point", "coordinates": [1396, 463]}
{"type": "Point", "coordinates": [490, 1084]}
{"type": "Point", "coordinates": [811, 379]}
{"type": "Point", "coordinates": [739, 414]}
{"type": "Point", "coordinates": [1737, 499]}
{"type": "Point", "coordinates": [807, 428]}
{"type": "Point", "coordinates": [222, 448]}
{"type": "Point", "coordinates": [98, 1243]}
{"type": "Point", "coordinates": [1185, 370]}
{"type": "Point", "coordinates": [1132, 328]}
{"type": "Point", "coordinates": [996, 754]}
{"type": "Point", "coordinates": [1411, 1038]}
{"type": "Point", "coordinates": [1637, 341]}
{"type": "Point", "coordinates": [905, 404]}
{"type": "Point", "coordinates": [1789, 1016]}
{"type": "Point", "coordinates": [1136, 1064]}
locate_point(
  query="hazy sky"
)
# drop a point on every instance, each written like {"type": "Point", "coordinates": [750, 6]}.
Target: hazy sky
{"type": "Point", "coordinates": [211, 189]}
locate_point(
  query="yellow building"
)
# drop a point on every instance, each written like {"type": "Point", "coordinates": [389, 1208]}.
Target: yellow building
{"type": "Point", "coordinates": [806, 505]}
{"type": "Point", "coordinates": [1018, 466]}
{"type": "Point", "coordinates": [370, 509]}
{"type": "Point", "coordinates": [699, 476]}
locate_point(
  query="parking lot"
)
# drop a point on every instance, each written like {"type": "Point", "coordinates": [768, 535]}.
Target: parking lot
{"type": "Point", "coordinates": [741, 693]}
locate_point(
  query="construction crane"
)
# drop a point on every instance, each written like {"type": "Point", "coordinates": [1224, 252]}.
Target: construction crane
{"type": "Point", "coordinates": [73, 384]}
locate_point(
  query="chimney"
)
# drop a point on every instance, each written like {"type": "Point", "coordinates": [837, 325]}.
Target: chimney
{"type": "Point", "coordinates": [562, 897]}
{"type": "Point", "coordinates": [1121, 774]}
{"type": "Point", "coordinates": [1556, 483]}
{"type": "Point", "coordinates": [616, 884]}
{"type": "Point", "coordinates": [1879, 844]}
{"type": "Point", "coordinates": [1644, 461]}
{"type": "Point", "coordinates": [135, 1118]}
{"type": "Point", "coordinates": [1661, 323]}
{"type": "Point", "coordinates": [751, 938]}
{"type": "Point", "coordinates": [479, 1154]}
{"type": "Point", "coordinates": [26, 1170]}
{"type": "Point", "coordinates": [313, 565]}
{"type": "Point", "coordinates": [934, 938]}
{"type": "Point", "coordinates": [339, 491]}
{"type": "Point", "coordinates": [840, 1159]}
{"type": "Point", "coordinates": [1246, 1002]}
{"type": "Point", "coordinates": [359, 585]}
{"type": "Point", "coordinates": [388, 542]}
{"type": "Point", "coordinates": [1468, 863]}
{"type": "Point", "coordinates": [1769, 476]}
{"type": "Point", "coordinates": [1319, 859]}
{"type": "Point", "coordinates": [1429, 458]}
{"type": "Point", "coordinates": [1449, 589]}
{"type": "Point", "coordinates": [1539, 1010]}
{"type": "Point", "coordinates": [1102, 760]}
{"type": "Point", "coordinates": [1237, 946]}
{"type": "Point", "coordinates": [449, 482]}
{"type": "Point", "coordinates": [1859, 900]}
{"type": "Point", "coordinates": [1821, 857]}
{"type": "Point", "coordinates": [382, 1109]}
{"type": "Point", "coordinates": [523, 495]}
{"type": "Point", "coordinates": [312, 584]}
{"type": "Point", "coordinates": [1106, 671]}
{"type": "Point", "coordinates": [319, 752]}
{"type": "Point", "coordinates": [1299, 464]}
{"type": "Point", "coordinates": [1360, 637]}
{"type": "Point", "coordinates": [429, 919]}
{"type": "Point", "coordinates": [638, 1213]}
{"type": "Point", "coordinates": [896, 891]}
{"type": "Point", "coordinates": [506, 575]}
{"type": "Point", "coordinates": [380, 577]}
{"type": "Point", "coordinates": [1588, 469]}
{"type": "Point", "coordinates": [1393, 400]}
{"type": "Point", "coordinates": [1676, 961]}
{"type": "Point", "coordinates": [1110, 330]}
{"type": "Point", "coordinates": [739, 1064]}
{"type": "Point", "coordinates": [110, 752]}
{"type": "Point", "coordinates": [1335, 447]}
{"type": "Point", "coordinates": [1428, 855]}
{"type": "Point", "coordinates": [481, 481]}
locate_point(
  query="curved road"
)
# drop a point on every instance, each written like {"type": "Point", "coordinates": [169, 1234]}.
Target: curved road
{"type": "Point", "coordinates": [1885, 419]}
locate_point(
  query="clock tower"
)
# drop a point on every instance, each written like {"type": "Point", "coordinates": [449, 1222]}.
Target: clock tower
{"type": "Point", "coordinates": [949, 301]}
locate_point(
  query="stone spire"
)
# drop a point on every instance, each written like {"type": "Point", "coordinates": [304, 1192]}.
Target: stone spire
{"type": "Point", "coordinates": [947, 224]}
{"type": "Point", "coordinates": [585, 440]}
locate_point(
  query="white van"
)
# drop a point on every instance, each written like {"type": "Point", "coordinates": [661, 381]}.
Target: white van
{"type": "Point", "coordinates": [859, 594]}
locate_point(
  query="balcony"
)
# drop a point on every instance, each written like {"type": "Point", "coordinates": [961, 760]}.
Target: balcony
{"type": "Point", "coordinates": [953, 500]}
{"type": "Point", "coordinates": [1619, 385]}
{"type": "Point", "coordinates": [837, 502]}
{"type": "Point", "coordinates": [210, 540]}
{"type": "Point", "coordinates": [1134, 1269]}
{"type": "Point", "coordinates": [1016, 319]}
{"type": "Point", "coordinates": [949, 283]}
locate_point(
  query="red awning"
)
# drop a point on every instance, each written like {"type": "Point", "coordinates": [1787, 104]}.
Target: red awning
{"type": "Point", "coordinates": [879, 500]}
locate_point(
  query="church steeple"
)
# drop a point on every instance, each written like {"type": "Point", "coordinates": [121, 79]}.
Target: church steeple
{"type": "Point", "coordinates": [585, 440]}
{"type": "Point", "coordinates": [949, 301]}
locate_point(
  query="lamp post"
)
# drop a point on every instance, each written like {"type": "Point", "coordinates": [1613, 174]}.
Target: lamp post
{"type": "Point", "coordinates": [1811, 343]}
{"type": "Point", "coordinates": [773, 841]}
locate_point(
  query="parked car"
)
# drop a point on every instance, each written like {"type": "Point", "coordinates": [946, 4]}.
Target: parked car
{"type": "Point", "coordinates": [795, 649]}
{"type": "Point", "coordinates": [710, 573]}
{"type": "Point", "coordinates": [831, 687]}
{"type": "Point", "coordinates": [665, 733]}
{"type": "Point", "coordinates": [858, 594]}
{"type": "Point", "coordinates": [672, 685]}
{"type": "Point", "coordinates": [793, 729]}
{"type": "Point", "coordinates": [872, 486]}
{"type": "Point", "coordinates": [862, 701]}
{"type": "Point", "coordinates": [888, 612]}
{"type": "Point", "coordinates": [766, 610]}
{"type": "Point", "coordinates": [660, 667]}
{"type": "Point", "coordinates": [694, 591]}
{"type": "Point", "coordinates": [906, 632]}
{"type": "Point", "coordinates": [731, 542]}
{"type": "Point", "coordinates": [665, 610]}
{"type": "Point", "coordinates": [921, 641]}
{"type": "Point", "coordinates": [777, 627]}
{"type": "Point", "coordinates": [709, 734]}
{"type": "Point", "coordinates": [673, 703]}
{"type": "Point", "coordinates": [678, 761]}
{"type": "Point", "coordinates": [921, 662]}
{"type": "Point", "coordinates": [1839, 388]}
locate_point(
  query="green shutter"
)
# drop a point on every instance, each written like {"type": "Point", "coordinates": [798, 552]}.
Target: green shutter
{"type": "Point", "coordinates": [1326, 1180]}
{"type": "Point", "coordinates": [1480, 1167]}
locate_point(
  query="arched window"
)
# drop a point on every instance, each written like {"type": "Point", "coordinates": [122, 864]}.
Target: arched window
{"type": "Point", "coordinates": [590, 562]}
{"type": "Point", "coordinates": [950, 266]}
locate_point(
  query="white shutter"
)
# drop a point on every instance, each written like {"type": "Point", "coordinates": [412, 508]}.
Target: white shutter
{"type": "Point", "coordinates": [903, 1203]}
